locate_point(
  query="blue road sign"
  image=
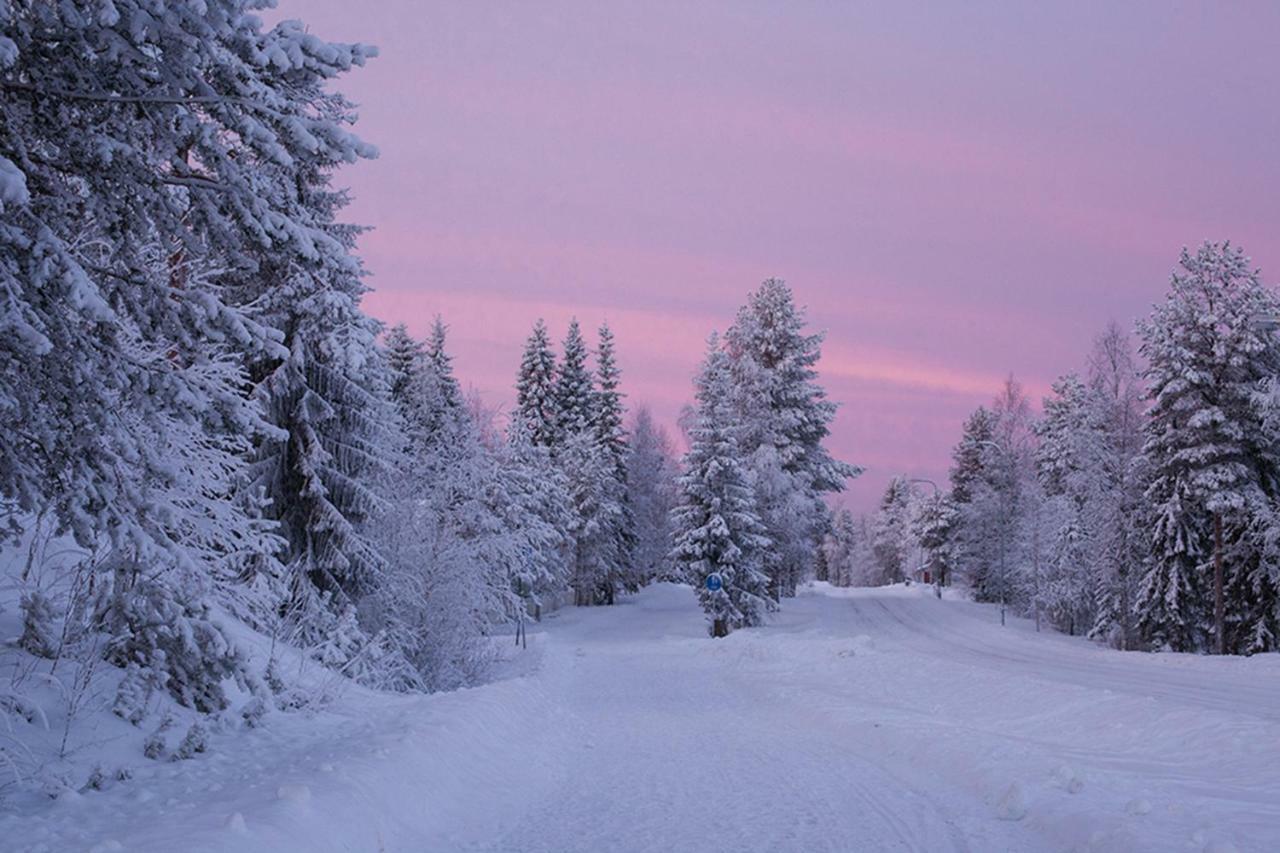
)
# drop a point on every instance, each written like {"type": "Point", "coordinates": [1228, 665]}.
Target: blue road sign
{"type": "Point", "coordinates": [714, 582]}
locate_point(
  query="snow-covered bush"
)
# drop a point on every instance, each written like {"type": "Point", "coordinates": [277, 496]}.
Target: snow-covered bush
{"type": "Point", "coordinates": [167, 635]}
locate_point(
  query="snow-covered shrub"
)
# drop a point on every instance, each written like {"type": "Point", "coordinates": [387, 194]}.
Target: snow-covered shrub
{"type": "Point", "coordinates": [169, 635]}
{"type": "Point", "coordinates": [39, 635]}
{"type": "Point", "coordinates": [156, 745]}
{"type": "Point", "coordinates": [195, 742]}
{"type": "Point", "coordinates": [253, 712]}
{"type": "Point", "coordinates": [133, 694]}
{"type": "Point", "coordinates": [97, 779]}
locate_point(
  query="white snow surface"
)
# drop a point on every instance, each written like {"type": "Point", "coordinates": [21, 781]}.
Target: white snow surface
{"type": "Point", "coordinates": [857, 720]}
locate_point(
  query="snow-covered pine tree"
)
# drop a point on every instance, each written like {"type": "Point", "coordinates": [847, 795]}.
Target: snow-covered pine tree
{"type": "Point", "coordinates": [449, 427]}
{"type": "Point", "coordinates": [785, 417]}
{"type": "Point", "coordinates": [611, 437]}
{"type": "Point", "coordinates": [990, 480]}
{"type": "Point", "coordinates": [934, 528]}
{"type": "Point", "coordinates": [596, 505]}
{"type": "Point", "coordinates": [607, 410]}
{"type": "Point", "coordinates": [1066, 464]}
{"type": "Point", "coordinates": [1213, 456]}
{"type": "Point", "coordinates": [139, 187]}
{"type": "Point", "coordinates": [973, 475]}
{"type": "Point", "coordinates": [716, 528]}
{"type": "Point", "coordinates": [455, 534]}
{"type": "Point", "coordinates": [893, 542]}
{"type": "Point", "coordinates": [575, 397]}
{"type": "Point", "coordinates": [970, 459]}
{"type": "Point", "coordinates": [321, 472]}
{"type": "Point", "coordinates": [441, 365]}
{"type": "Point", "coordinates": [539, 515]}
{"type": "Point", "coordinates": [403, 356]}
{"type": "Point", "coordinates": [841, 550]}
{"type": "Point", "coordinates": [651, 495]}
{"type": "Point", "coordinates": [535, 389]}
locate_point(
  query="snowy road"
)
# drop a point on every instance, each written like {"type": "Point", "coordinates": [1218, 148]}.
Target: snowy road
{"type": "Point", "coordinates": [859, 720]}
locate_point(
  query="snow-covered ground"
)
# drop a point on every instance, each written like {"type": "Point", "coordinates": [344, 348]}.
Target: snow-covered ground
{"type": "Point", "coordinates": [858, 720]}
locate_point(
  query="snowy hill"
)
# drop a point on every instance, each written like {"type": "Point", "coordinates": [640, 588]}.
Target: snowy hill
{"type": "Point", "coordinates": [857, 720]}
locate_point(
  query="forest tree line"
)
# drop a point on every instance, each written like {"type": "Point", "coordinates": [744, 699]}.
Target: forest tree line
{"type": "Point", "coordinates": [1140, 507]}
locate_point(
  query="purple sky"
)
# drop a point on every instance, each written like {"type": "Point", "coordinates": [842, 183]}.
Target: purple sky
{"type": "Point", "coordinates": [953, 192]}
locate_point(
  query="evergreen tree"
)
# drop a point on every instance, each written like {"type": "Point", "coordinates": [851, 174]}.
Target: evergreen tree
{"type": "Point", "coordinates": [1066, 463]}
{"type": "Point", "coordinates": [535, 389]}
{"type": "Point", "coordinates": [539, 515]}
{"type": "Point", "coordinates": [974, 476]}
{"type": "Point", "coordinates": [991, 490]}
{"type": "Point", "coordinates": [1212, 452]}
{"type": "Point", "coordinates": [971, 456]}
{"type": "Point", "coordinates": [835, 548]}
{"type": "Point", "coordinates": [785, 419]}
{"type": "Point", "coordinates": [320, 469]}
{"type": "Point", "coordinates": [597, 515]}
{"type": "Point", "coordinates": [441, 365]}
{"type": "Point", "coordinates": [651, 495]}
{"type": "Point", "coordinates": [142, 188]}
{"type": "Point", "coordinates": [608, 410]}
{"type": "Point", "coordinates": [892, 535]}
{"type": "Point", "coordinates": [575, 398]}
{"type": "Point", "coordinates": [934, 526]}
{"type": "Point", "coordinates": [403, 356]}
{"type": "Point", "coordinates": [716, 527]}
{"type": "Point", "coordinates": [611, 437]}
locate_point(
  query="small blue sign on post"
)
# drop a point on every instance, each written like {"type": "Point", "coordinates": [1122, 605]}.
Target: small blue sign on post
{"type": "Point", "coordinates": [714, 582]}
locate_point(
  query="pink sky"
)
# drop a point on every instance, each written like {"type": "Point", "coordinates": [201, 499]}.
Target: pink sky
{"type": "Point", "coordinates": [954, 192]}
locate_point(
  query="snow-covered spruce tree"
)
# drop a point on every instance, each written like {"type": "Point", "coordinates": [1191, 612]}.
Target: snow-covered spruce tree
{"type": "Point", "coordinates": [138, 186]}
{"type": "Point", "coordinates": [651, 494]}
{"type": "Point", "coordinates": [973, 476]}
{"type": "Point", "coordinates": [403, 356]}
{"type": "Point", "coordinates": [786, 417]}
{"type": "Point", "coordinates": [607, 410]}
{"type": "Point", "coordinates": [970, 459]}
{"type": "Point", "coordinates": [441, 365]}
{"type": "Point", "coordinates": [574, 394]}
{"type": "Point", "coordinates": [454, 534]}
{"type": "Point", "coordinates": [1213, 456]}
{"type": "Point", "coordinates": [893, 541]}
{"type": "Point", "coordinates": [1116, 510]}
{"type": "Point", "coordinates": [596, 504]}
{"type": "Point", "coordinates": [933, 526]}
{"type": "Point", "coordinates": [539, 516]}
{"type": "Point", "coordinates": [591, 465]}
{"type": "Point", "coordinates": [1062, 536]}
{"type": "Point", "coordinates": [535, 388]}
{"type": "Point", "coordinates": [716, 528]}
{"type": "Point", "coordinates": [611, 436]}
{"type": "Point", "coordinates": [330, 407]}
{"type": "Point", "coordinates": [840, 548]}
